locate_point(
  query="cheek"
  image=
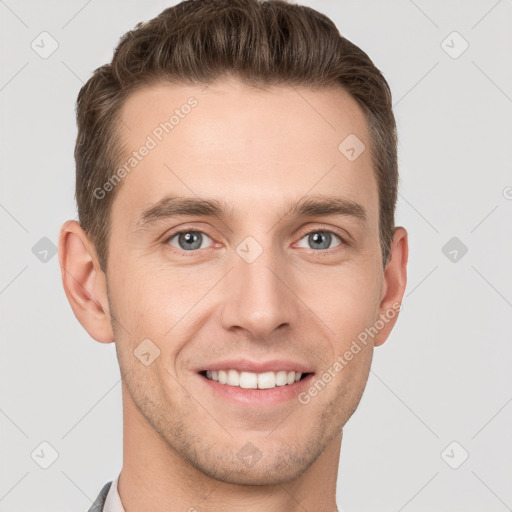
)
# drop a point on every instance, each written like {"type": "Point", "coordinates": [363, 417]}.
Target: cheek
{"type": "Point", "coordinates": [156, 304]}
{"type": "Point", "coordinates": [146, 301]}
{"type": "Point", "coordinates": [347, 301]}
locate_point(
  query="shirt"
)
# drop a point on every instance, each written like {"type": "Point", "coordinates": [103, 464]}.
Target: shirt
{"type": "Point", "coordinates": [113, 501]}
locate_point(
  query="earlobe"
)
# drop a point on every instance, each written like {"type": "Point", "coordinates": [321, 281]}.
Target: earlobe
{"type": "Point", "coordinates": [84, 282]}
{"type": "Point", "coordinates": [395, 280]}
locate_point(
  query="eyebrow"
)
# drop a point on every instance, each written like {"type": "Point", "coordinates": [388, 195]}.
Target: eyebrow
{"type": "Point", "coordinates": [319, 205]}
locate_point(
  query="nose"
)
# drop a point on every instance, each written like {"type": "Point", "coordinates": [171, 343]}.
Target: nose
{"type": "Point", "coordinates": [258, 298]}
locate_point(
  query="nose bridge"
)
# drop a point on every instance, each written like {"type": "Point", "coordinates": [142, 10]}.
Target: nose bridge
{"type": "Point", "coordinates": [256, 298]}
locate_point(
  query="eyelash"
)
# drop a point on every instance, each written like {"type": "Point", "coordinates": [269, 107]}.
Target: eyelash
{"type": "Point", "coordinates": [321, 252]}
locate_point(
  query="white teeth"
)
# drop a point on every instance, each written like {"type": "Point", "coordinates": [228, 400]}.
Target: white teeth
{"type": "Point", "coordinates": [233, 378]}
{"type": "Point", "coordinates": [266, 380]}
{"type": "Point", "coordinates": [248, 380]}
{"type": "Point", "coordinates": [282, 378]}
{"type": "Point", "coordinates": [251, 380]}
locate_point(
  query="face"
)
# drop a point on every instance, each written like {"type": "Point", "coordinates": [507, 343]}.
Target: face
{"type": "Point", "coordinates": [245, 246]}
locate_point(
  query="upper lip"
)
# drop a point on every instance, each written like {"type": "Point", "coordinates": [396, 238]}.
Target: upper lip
{"type": "Point", "coordinates": [246, 365]}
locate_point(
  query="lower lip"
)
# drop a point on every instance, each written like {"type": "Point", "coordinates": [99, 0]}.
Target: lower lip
{"type": "Point", "coordinates": [260, 397]}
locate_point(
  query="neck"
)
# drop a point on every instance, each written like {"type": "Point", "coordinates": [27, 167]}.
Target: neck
{"type": "Point", "coordinates": [156, 478]}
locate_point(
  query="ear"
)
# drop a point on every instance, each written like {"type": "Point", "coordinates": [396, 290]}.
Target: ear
{"type": "Point", "coordinates": [84, 282]}
{"type": "Point", "coordinates": [393, 287]}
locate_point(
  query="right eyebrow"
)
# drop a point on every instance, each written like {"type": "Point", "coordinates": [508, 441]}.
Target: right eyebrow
{"type": "Point", "coordinates": [172, 206]}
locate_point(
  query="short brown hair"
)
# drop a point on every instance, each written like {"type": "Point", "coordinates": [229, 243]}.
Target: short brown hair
{"type": "Point", "coordinates": [199, 41]}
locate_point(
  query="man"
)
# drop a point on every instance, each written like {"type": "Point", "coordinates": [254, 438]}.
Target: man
{"type": "Point", "coordinates": [236, 186]}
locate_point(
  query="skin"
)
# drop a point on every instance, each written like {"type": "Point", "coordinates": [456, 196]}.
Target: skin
{"type": "Point", "coordinates": [257, 150]}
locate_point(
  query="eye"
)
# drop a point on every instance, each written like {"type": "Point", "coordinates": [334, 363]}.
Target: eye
{"type": "Point", "coordinates": [188, 240]}
{"type": "Point", "coordinates": [319, 240]}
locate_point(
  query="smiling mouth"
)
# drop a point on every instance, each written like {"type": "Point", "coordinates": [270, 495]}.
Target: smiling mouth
{"type": "Point", "coordinates": [252, 380]}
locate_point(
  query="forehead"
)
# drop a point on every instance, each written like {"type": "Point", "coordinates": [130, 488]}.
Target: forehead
{"type": "Point", "coordinates": [253, 147]}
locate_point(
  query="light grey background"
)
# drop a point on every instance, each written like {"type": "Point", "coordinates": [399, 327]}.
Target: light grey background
{"type": "Point", "coordinates": [445, 373]}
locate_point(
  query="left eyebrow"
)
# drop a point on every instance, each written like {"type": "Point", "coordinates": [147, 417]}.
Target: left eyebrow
{"type": "Point", "coordinates": [310, 206]}
{"type": "Point", "coordinates": [321, 205]}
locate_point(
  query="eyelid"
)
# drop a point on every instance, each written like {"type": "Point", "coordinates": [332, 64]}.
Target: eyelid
{"type": "Point", "coordinates": [184, 229]}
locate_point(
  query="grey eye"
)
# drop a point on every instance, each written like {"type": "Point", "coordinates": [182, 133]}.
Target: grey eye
{"type": "Point", "coordinates": [189, 240]}
{"type": "Point", "coordinates": [319, 240]}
